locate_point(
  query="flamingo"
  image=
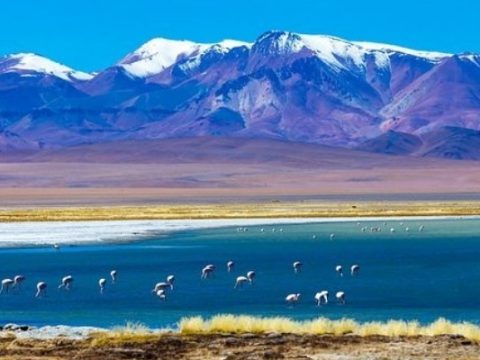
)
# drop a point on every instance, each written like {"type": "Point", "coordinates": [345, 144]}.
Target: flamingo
{"type": "Point", "coordinates": [292, 298]}
{"type": "Point", "coordinates": [161, 294]}
{"type": "Point", "coordinates": [207, 271]}
{"type": "Point", "coordinates": [321, 296]}
{"type": "Point", "coordinates": [161, 286]}
{"type": "Point", "coordinates": [250, 276]}
{"type": "Point", "coordinates": [66, 282]}
{"type": "Point", "coordinates": [41, 289]}
{"type": "Point", "coordinates": [230, 266]}
{"type": "Point", "coordinates": [340, 295]}
{"type": "Point", "coordinates": [339, 270]}
{"type": "Point", "coordinates": [170, 280]}
{"type": "Point", "coordinates": [354, 269]}
{"type": "Point", "coordinates": [6, 284]}
{"type": "Point", "coordinates": [102, 283]}
{"type": "Point", "coordinates": [113, 275]}
{"type": "Point", "coordinates": [241, 280]}
{"type": "Point", "coordinates": [297, 267]}
{"type": "Point", "coordinates": [18, 280]}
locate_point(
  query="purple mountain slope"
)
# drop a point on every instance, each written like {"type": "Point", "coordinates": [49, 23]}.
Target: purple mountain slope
{"type": "Point", "coordinates": [393, 143]}
{"type": "Point", "coordinates": [286, 86]}
{"type": "Point", "coordinates": [449, 94]}
{"type": "Point", "coordinates": [446, 142]}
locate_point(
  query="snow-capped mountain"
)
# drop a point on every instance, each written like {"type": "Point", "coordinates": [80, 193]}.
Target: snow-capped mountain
{"type": "Point", "coordinates": [296, 87]}
{"type": "Point", "coordinates": [158, 54]}
{"type": "Point", "coordinates": [28, 64]}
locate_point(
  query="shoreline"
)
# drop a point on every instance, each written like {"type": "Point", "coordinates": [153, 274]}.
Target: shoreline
{"type": "Point", "coordinates": [255, 324]}
{"type": "Point", "coordinates": [88, 232]}
{"type": "Point", "coordinates": [257, 338]}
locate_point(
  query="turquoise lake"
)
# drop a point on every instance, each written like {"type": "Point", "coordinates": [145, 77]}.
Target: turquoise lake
{"type": "Point", "coordinates": [411, 274]}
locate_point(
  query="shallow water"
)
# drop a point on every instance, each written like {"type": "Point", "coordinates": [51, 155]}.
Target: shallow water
{"type": "Point", "coordinates": [404, 275]}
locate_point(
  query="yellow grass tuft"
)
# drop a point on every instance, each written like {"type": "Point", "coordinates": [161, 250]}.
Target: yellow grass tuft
{"type": "Point", "coordinates": [322, 326]}
{"type": "Point", "coordinates": [130, 333]}
{"type": "Point", "coordinates": [237, 324]}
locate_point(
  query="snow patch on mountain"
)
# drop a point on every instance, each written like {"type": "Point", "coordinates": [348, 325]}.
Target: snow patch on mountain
{"type": "Point", "coordinates": [220, 48]}
{"type": "Point", "coordinates": [474, 58]}
{"type": "Point", "coordinates": [342, 53]}
{"type": "Point", "coordinates": [429, 55]}
{"type": "Point", "coordinates": [229, 44]}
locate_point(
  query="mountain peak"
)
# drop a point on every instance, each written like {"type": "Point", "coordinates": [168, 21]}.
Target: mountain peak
{"type": "Point", "coordinates": [28, 63]}
{"type": "Point", "coordinates": [158, 54]}
{"type": "Point", "coordinates": [283, 42]}
{"type": "Point", "coordinates": [336, 52]}
{"type": "Point", "coordinates": [278, 42]}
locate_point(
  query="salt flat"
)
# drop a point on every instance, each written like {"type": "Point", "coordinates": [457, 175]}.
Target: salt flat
{"type": "Point", "coordinates": [87, 232]}
{"type": "Point", "coordinates": [81, 232]}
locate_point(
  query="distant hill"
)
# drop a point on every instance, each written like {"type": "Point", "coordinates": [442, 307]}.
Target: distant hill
{"type": "Point", "coordinates": [446, 142]}
{"type": "Point", "coordinates": [206, 150]}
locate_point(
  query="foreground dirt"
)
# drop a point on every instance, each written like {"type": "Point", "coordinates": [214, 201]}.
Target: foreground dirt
{"type": "Point", "coordinates": [248, 346]}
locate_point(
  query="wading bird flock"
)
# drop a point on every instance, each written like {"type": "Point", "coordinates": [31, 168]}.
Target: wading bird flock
{"type": "Point", "coordinates": [321, 298]}
{"type": "Point", "coordinates": [65, 283]}
{"type": "Point", "coordinates": [160, 289]}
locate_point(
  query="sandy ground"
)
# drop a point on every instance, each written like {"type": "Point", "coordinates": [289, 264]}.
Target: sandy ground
{"type": "Point", "coordinates": [224, 170]}
{"type": "Point", "coordinates": [247, 347]}
{"type": "Point", "coordinates": [75, 184]}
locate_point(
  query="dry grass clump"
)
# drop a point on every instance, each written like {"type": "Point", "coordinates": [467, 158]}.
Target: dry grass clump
{"type": "Point", "coordinates": [130, 333]}
{"type": "Point", "coordinates": [323, 326]}
{"type": "Point", "coordinates": [244, 210]}
{"type": "Point", "coordinates": [258, 325]}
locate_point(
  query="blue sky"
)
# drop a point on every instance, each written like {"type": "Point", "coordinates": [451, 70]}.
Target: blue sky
{"type": "Point", "coordinates": [92, 34]}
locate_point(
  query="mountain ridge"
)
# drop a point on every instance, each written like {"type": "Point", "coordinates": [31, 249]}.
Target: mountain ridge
{"type": "Point", "coordinates": [287, 86]}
